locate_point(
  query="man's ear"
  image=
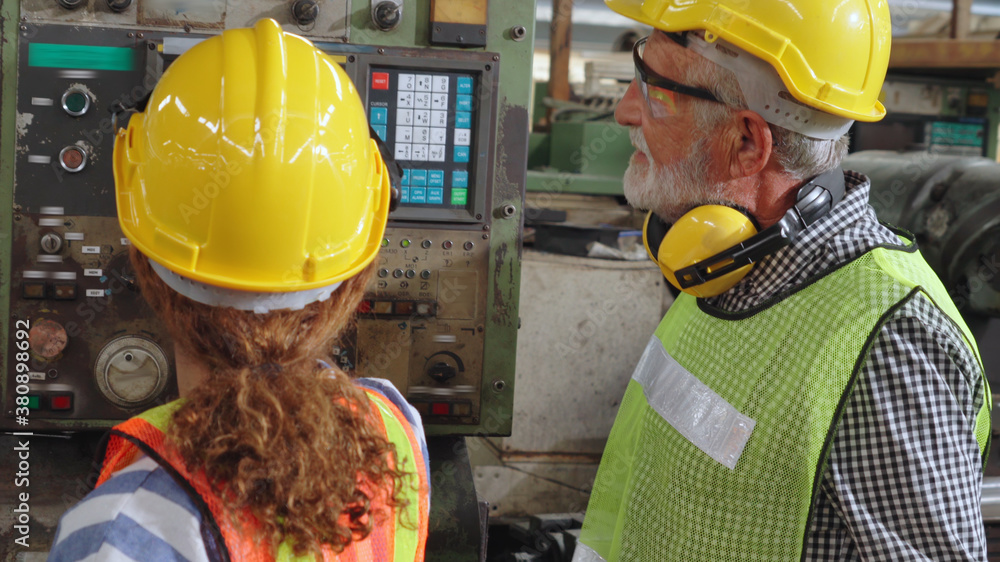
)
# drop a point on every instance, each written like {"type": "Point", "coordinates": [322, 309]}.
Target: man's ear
{"type": "Point", "coordinates": [750, 144]}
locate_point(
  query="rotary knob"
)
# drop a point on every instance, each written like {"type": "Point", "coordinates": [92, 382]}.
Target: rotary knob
{"type": "Point", "coordinates": [442, 372]}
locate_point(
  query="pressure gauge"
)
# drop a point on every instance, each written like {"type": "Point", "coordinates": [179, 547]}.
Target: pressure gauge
{"type": "Point", "coordinates": [131, 371]}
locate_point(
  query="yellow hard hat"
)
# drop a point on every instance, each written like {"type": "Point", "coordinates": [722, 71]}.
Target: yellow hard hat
{"type": "Point", "coordinates": [252, 167]}
{"type": "Point", "coordinates": [831, 54]}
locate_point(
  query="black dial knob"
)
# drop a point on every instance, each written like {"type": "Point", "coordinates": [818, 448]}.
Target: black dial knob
{"type": "Point", "coordinates": [305, 12]}
{"type": "Point", "coordinates": [70, 4]}
{"type": "Point", "coordinates": [119, 5]}
{"type": "Point", "coordinates": [387, 15]}
{"type": "Point", "coordinates": [442, 372]}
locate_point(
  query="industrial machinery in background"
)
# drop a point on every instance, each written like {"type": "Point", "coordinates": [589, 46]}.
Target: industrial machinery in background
{"type": "Point", "coordinates": [445, 83]}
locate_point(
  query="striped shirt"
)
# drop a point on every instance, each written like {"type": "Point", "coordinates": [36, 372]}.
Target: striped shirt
{"type": "Point", "coordinates": [142, 514]}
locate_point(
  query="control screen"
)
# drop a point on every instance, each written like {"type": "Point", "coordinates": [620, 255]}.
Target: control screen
{"type": "Point", "coordinates": [426, 119]}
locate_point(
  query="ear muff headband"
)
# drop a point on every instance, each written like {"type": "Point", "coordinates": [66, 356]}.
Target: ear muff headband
{"type": "Point", "coordinates": [814, 200]}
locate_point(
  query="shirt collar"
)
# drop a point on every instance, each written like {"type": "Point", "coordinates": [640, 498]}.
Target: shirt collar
{"type": "Point", "coordinates": [816, 249]}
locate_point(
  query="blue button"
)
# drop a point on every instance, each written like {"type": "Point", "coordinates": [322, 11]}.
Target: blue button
{"type": "Point", "coordinates": [435, 195]}
{"type": "Point", "coordinates": [435, 178]}
{"type": "Point", "coordinates": [463, 120]}
{"type": "Point", "coordinates": [419, 178]}
{"type": "Point", "coordinates": [465, 84]}
{"type": "Point", "coordinates": [463, 103]}
{"type": "Point", "coordinates": [461, 154]}
{"type": "Point", "coordinates": [380, 131]}
{"type": "Point", "coordinates": [460, 178]}
{"type": "Point", "coordinates": [418, 195]}
{"type": "Point", "coordinates": [404, 194]}
{"type": "Point", "coordinates": [406, 176]}
{"type": "Point", "coordinates": [380, 116]}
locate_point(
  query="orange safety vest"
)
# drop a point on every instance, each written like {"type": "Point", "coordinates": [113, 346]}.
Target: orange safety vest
{"type": "Point", "coordinates": [403, 540]}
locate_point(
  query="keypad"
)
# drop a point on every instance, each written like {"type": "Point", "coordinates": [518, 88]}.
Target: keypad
{"type": "Point", "coordinates": [426, 119]}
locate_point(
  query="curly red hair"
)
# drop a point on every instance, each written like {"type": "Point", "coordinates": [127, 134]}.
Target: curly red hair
{"type": "Point", "coordinates": [275, 434]}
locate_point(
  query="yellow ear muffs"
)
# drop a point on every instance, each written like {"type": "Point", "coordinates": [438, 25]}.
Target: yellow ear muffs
{"type": "Point", "coordinates": [700, 234]}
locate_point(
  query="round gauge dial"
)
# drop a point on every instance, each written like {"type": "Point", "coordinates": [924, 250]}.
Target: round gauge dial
{"type": "Point", "coordinates": [131, 371]}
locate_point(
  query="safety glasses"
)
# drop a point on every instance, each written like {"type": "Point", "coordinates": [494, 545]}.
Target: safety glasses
{"type": "Point", "coordinates": [661, 92]}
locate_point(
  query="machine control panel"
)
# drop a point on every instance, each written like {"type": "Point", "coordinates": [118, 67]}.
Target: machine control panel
{"type": "Point", "coordinates": [97, 353]}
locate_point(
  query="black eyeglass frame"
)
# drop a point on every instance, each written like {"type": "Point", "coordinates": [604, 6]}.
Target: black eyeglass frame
{"type": "Point", "coordinates": [649, 76]}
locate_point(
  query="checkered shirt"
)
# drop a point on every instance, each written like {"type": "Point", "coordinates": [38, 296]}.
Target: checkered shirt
{"type": "Point", "coordinates": [904, 476]}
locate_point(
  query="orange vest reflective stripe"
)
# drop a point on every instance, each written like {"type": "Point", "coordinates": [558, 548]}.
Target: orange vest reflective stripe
{"type": "Point", "coordinates": [144, 434]}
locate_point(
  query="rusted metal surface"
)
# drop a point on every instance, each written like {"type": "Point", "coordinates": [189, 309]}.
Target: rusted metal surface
{"type": "Point", "coordinates": [944, 53]}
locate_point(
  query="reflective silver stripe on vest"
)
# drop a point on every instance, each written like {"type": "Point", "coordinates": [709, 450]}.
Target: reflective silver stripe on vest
{"type": "Point", "coordinates": [699, 414]}
{"type": "Point", "coordinates": [584, 553]}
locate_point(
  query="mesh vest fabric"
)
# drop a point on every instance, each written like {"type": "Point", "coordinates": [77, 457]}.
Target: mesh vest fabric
{"type": "Point", "coordinates": [403, 540]}
{"type": "Point", "coordinates": [789, 366]}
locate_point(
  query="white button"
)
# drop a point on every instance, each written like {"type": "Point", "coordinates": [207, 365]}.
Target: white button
{"type": "Point", "coordinates": [422, 101]}
{"type": "Point", "coordinates": [421, 134]}
{"type": "Point", "coordinates": [440, 84]}
{"type": "Point", "coordinates": [404, 117]}
{"type": "Point", "coordinates": [439, 101]}
{"type": "Point", "coordinates": [404, 99]}
{"type": "Point", "coordinates": [463, 137]}
{"type": "Point", "coordinates": [402, 151]}
{"type": "Point", "coordinates": [439, 118]}
{"type": "Point", "coordinates": [423, 83]}
{"type": "Point", "coordinates": [406, 82]}
{"type": "Point", "coordinates": [439, 135]}
{"type": "Point", "coordinates": [437, 153]}
{"type": "Point", "coordinates": [404, 133]}
{"type": "Point", "coordinates": [422, 117]}
{"type": "Point", "coordinates": [419, 153]}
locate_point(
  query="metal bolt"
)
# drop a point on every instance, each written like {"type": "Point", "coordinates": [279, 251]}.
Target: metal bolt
{"type": "Point", "coordinates": [479, 217]}
{"type": "Point", "coordinates": [486, 236]}
{"type": "Point", "coordinates": [486, 227]}
{"type": "Point", "coordinates": [509, 211]}
{"type": "Point", "coordinates": [130, 34]}
{"type": "Point", "coordinates": [489, 67]}
{"type": "Point", "coordinates": [499, 386]}
{"type": "Point", "coordinates": [381, 51]}
{"type": "Point", "coordinates": [351, 58]}
{"type": "Point", "coordinates": [518, 33]}
{"type": "Point", "coordinates": [24, 28]}
{"type": "Point", "coordinates": [151, 46]}
{"type": "Point", "coordinates": [139, 35]}
{"type": "Point", "coordinates": [17, 217]}
{"type": "Point", "coordinates": [496, 57]}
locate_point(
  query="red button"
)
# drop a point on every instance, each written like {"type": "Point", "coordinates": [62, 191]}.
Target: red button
{"type": "Point", "coordinates": [380, 80]}
{"type": "Point", "coordinates": [61, 402]}
{"type": "Point", "coordinates": [441, 409]}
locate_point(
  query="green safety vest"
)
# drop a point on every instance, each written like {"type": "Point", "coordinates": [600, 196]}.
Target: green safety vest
{"type": "Point", "coordinates": [723, 435]}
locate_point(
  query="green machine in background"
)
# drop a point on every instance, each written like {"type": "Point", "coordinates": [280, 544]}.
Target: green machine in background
{"type": "Point", "coordinates": [446, 85]}
{"type": "Point", "coordinates": [582, 149]}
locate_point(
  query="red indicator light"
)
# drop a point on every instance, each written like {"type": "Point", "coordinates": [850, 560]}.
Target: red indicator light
{"type": "Point", "coordinates": [365, 307]}
{"type": "Point", "coordinates": [441, 409]}
{"type": "Point", "coordinates": [61, 402]}
{"type": "Point", "coordinates": [380, 80]}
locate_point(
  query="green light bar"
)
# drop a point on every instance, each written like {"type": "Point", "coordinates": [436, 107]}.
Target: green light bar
{"type": "Point", "coordinates": [52, 55]}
